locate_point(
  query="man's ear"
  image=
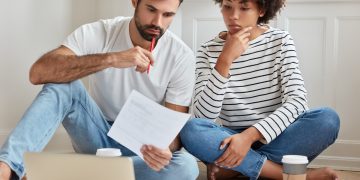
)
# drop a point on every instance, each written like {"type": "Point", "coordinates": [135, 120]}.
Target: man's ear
{"type": "Point", "coordinates": [134, 3]}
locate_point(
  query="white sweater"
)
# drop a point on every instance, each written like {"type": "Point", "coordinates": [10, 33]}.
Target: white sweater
{"type": "Point", "coordinates": [265, 88]}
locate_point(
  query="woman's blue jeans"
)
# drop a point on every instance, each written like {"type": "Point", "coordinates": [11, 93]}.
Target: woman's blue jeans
{"type": "Point", "coordinates": [309, 135]}
{"type": "Point", "coordinates": [71, 105]}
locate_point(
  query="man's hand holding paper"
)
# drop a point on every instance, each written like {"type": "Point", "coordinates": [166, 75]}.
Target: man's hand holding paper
{"type": "Point", "coordinates": [144, 126]}
{"type": "Point", "coordinates": [156, 158]}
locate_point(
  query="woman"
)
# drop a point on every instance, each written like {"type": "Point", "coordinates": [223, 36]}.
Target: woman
{"type": "Point", "coordinates": [248, 78]}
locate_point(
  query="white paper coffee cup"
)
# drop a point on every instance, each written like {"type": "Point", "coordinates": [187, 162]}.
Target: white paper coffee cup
{"type": "Point", "coordinates": [108, 152]}
{"type": "Point", "coordinates": [294, 164]}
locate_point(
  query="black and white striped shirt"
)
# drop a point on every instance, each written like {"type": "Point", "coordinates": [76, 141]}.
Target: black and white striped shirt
{"type": "Point", "coordinates": [265, 88]}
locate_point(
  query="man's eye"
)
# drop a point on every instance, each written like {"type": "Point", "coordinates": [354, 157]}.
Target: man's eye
{"type": "Point", "coordinates": [168, 14]}
{"type": "Point", "coordinates": [227, 7]}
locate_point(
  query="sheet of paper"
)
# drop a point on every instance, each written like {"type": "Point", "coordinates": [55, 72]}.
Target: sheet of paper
{"type": "Point", "coordinates": [143, 121]}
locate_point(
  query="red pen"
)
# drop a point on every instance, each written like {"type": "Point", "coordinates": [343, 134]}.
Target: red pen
{"type": "Point", "coordinates": [151, 49]}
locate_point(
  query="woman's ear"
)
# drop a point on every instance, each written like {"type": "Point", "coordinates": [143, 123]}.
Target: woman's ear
{"type": "Point", "coordinates": [261, 13]}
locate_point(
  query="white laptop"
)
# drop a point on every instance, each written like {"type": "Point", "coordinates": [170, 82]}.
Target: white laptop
{"type": "Point", "coordinates": [50, 166]}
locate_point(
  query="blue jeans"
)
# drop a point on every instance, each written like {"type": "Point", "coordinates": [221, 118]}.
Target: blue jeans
{"type": "Point", "coordinates": [309, 135]}
{"type": "Point", "coordinates": [71, 105]}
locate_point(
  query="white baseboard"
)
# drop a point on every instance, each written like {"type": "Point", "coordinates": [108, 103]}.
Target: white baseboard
{"type": "Point", "coordinates": [338, 163]}
{"type": "Point", "coordinates": [342, 155]}
{"type": "Point", "coordinates": [344, 148]}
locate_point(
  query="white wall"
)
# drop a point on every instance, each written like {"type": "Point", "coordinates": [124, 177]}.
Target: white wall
{"type": "Point", "coordinates": [29, 28]}
{"type": "Point", "coordinates": [327, 37]}
{"type": "Point", "coordinates": [112, 8]}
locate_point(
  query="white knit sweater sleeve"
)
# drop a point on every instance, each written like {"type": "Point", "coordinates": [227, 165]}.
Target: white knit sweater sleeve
{"type": "Point", "coordinates": [210, 88]}
{"type": "Point", "coordinates": [293, 96]}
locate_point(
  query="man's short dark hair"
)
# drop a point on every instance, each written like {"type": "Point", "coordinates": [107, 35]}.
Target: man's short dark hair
{"type": "Point", "coordinates": [179, 0]}
{"type": "Point", "coordinates": [270, 7]}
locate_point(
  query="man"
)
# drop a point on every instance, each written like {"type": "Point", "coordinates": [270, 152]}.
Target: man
{"type": "Point", "coordinates": [115, 53]}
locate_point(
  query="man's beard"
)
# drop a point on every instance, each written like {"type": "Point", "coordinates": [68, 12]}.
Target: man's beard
{"type": "Point", "coordinates": [141, 29]}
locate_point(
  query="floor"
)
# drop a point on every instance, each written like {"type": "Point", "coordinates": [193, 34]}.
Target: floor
{"type": "Point", "coordinates": [344, 175]}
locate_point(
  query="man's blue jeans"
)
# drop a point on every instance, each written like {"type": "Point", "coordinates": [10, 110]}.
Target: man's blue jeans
{"type": "Point", "coordinates": [71, 105]}
{"type": "Point", "coordinates": [309, 135]}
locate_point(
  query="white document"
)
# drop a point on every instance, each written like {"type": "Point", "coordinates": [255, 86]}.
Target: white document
{"type": "Point", "coordinates": [142, 121]}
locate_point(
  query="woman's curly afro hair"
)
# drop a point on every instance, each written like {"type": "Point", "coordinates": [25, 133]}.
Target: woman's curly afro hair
{"type": "Point", "coordinates": [270, 7]}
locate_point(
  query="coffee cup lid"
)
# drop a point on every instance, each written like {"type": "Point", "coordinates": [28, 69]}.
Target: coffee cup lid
{"type": "Point", "coordinates": [108, 152]}
{"type": "Point", "coordinates": [294, 159]}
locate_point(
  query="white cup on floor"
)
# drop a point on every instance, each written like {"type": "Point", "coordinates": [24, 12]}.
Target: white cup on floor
{"type": "Point", "coordinates": [108, 152]}
{"type": "Point", "coordinates": [294, 167]}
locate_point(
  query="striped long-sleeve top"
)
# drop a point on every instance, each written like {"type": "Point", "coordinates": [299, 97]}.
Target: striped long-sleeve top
{"type": "Point", "coordinates": [265, 88]}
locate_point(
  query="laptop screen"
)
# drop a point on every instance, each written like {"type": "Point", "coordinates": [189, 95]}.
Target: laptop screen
{"type": "Point", "coordinates": [45, 166]}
